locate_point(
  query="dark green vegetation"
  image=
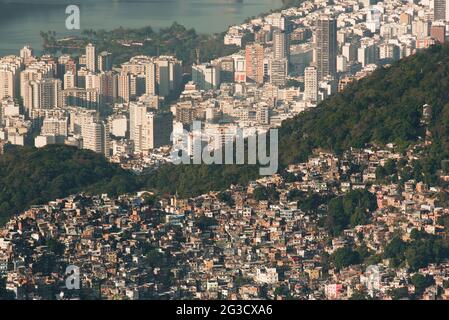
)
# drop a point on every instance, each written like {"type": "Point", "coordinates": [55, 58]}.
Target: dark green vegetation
{"type": "Point", "coordinates": [350, 210]}
{"type": "Point", "coordinates": [382, 108]}
{"type": "Point", "coordinates": [175, 40]}
{"type": "Point", "coordinates": [385, 107]}
{"type": "Point", "coordinates": [417, 253]}
{"type": "Point", "coordinates": [29, 176]}
{"type": "Point", "coordinates": [4, 293]}
{"type": "Point", "coordinates": [193, 180]}
{"type": "Point", "coordinates": [421, 282]}
{"type": "Point", "coordinates": [345, 257]}
{"type": "Point", "coordinates": [266, 193]}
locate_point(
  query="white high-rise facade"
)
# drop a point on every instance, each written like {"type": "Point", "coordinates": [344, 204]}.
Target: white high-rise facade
{"type": "Point", "coordinates": [91, 57]}
{"type": "Point", "coordinates": [206, 76]}
{"type": "Point", "coordinates": [96, 137]}
{"type": "Point", "coordinates": [69, 80]}
{"type": "Point", "coordinates": [9, 79]}
{"type": "Point", "coordinates": [150, 79]}
{"type": "Point", "coordinates": [281, 45]}
{"type": "Point", "coordinates": [311, 84]}
{"type": "Point", "coordinates": [149, 130]}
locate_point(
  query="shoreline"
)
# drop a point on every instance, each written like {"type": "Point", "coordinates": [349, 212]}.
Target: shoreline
{"type": "Point", "coordinates": [39, 50]}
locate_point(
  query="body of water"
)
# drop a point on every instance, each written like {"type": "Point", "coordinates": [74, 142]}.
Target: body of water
{"type": "Point", "coordinates": [21, 22]}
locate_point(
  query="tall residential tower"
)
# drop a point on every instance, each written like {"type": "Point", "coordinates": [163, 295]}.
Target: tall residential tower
{"type": "Point", "coordinates": [326, 46]}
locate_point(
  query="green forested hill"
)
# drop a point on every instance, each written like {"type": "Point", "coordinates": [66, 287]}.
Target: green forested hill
{"type": "Point", "coordinates": [384, 107]}
{"type": "Point", "coordinates": [34, 176]}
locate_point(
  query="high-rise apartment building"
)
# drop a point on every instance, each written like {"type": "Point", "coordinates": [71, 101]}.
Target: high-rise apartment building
{"type": "Point", "coordinates": [124, 87]}
{"type": "Point", "coordinates": [96, 137]}
{"type": "Point", "coordinates": [26, 53]}
{"type": "Point", "coordinates": [239, 68]}
{"type": "Point", "coordinates": [255, 63]}
{"type": "Point", "coordinates": [227, 69]}
{"type": "Point", "coordinates": [10, 68]}
{"type": "Point", "coordinates": [277, 20]}
{"type": "Point", "coordinates": [441, 10]}
{"type": "Point", "coordinates": [311, 84]}
{"type": "Point", "coordinates": [92, 81]}
{"type": "Point", "coordinates": [46, 93]}
{"type": "Point", "coordinates": [55, 126]}
{"type": "Point", "coordinates": [65, 64]}
{"type": "Point", "coordinates": [438, 32]}
{"type": "Point", "coordinates": [36, 71]}
{"type": "Point", "coordinates": [162, 75]}
{"type": "Point", "coordinates": [185, 112]}
{"type": "Point", "coordinates": [83, 98]}
{"type": "Point", "coordinates": [79, 117]}
{"type": "Point", "coordinates": [150, 78]}
{"type": "Point", "coordinates": [278, 71]}
{"type": "Point", "coordinates": [160, 128]}
{"type": "Point", "coordinates": [149, 130]}
{"type": "Point", "coordinates": [368, 53]}
{"type": "Point", "coordinates": [81, 77]}
{"type": "Point", "coordinates": [169, 75]}
{"type": "Point", "coordinates": [69, 80]}
{"type": "Point", "coordinates": [137, 112]}
{"type": "Point", "coordinates": [206, 76]}
{"type": "Point", "coordinates": [349, 50]}
{"type": "Point", "coordinates": [326, 46]}
{"type": "Point", "coordinates": [281, 45]}
{"type": "Point", "coordinates": [91, 57]}
{"type": "Point", "coordinates": [421, 29]}
{"type": "Point", "coordinates": [108, 87]}
{"type": "Point", "coordinates": [105, 61]}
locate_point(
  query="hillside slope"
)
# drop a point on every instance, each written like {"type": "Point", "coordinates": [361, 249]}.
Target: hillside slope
{"type": "Point", "coordinates": [34, 176]}
{"type": "Point", "coordinates": [382, 108]}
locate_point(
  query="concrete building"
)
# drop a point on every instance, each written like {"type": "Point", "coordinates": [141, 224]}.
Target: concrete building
{"type": "Point", "coordinates": [105, 61]}
{"type": "Point", "coordinates": [278, 71]}
{"type": "Point", "coordinates": [281, 45]}
{"type": "Point", "coordinates": [311, 84]}
{"type": "Point", "coordinates": [91, 58]}
{"type": "Point", "coordinates": [255, 63]}
{"type": "Point", "coordinates": [441, 10]}
{"type": "Point", "coordinates": [326, 46]}
{"type": "Point", "coordinates": [84, 98]}
{"type": "Point", "coordinates": [95, 137]}
{"type": "Point", "coordinates": [206, 76]}
{"type": "Point", "coordinates": [149, 130]}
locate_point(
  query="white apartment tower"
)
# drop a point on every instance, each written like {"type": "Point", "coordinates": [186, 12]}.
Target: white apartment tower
{"type": "Point", "coordinates": [9, 80]}
{"type": "Point", "coordinates": [95, 137]}
{"type": "Point", "coordinates": [124, 87]}
{"type": "Point", "coordinates": [69, 80]}
{"type": "Point", "coordinates": [55, 126]}
{"type": "Point", "coordinates": [206, 76]}
{"type": "Point", "coordinates": [91, 57]}
{"type": "Point", "coordinates": [311, 84]}
{"type": "Point", "coordinates": [149, 130]}
{"type": "Point", "coordinates": [150, 79]}
{"type": "Point", "coordinates": [43, 94]}
{"type": "Point", "coordinates": [281, 45]}
{"type": "Point", "coordinates": [26, 53]}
